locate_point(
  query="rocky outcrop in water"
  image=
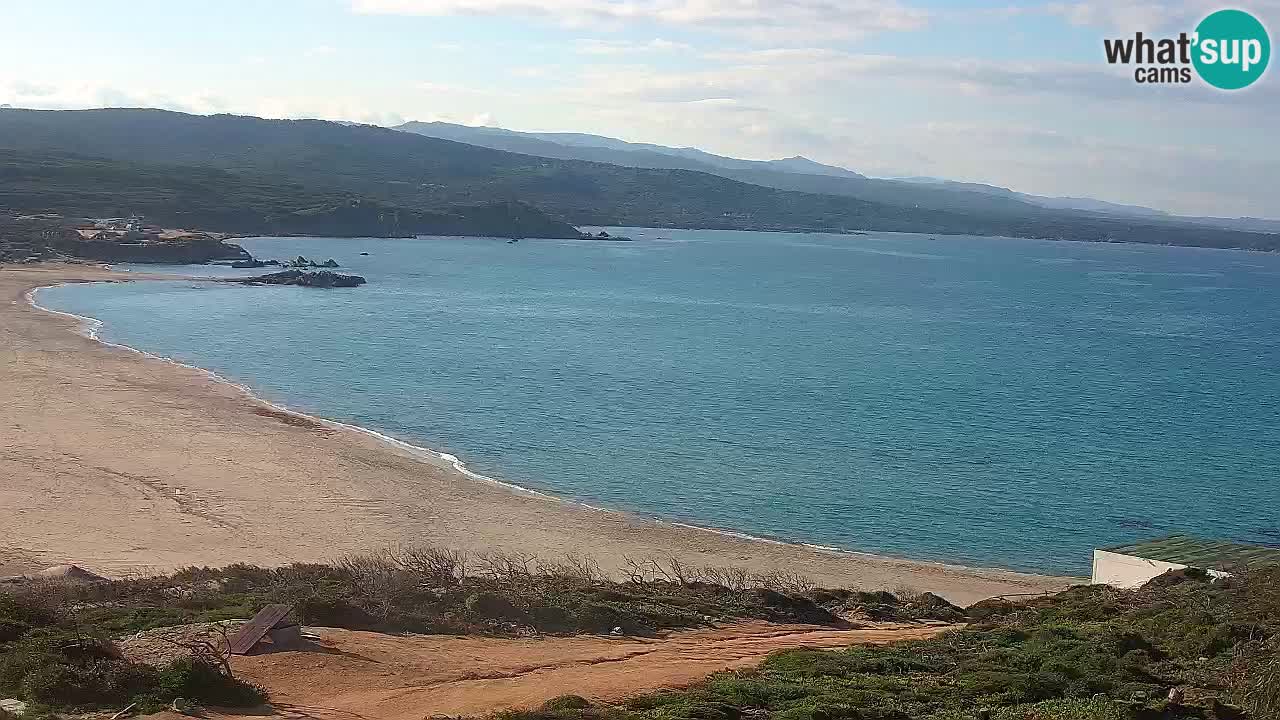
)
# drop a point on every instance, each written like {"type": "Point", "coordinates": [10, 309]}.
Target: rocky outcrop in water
{"type": "Point", "coordinates": [302, 262]}
{"type": "Point", "coordinates": [249, 264]}
{"type": "Point", "coordinates": [302, 278]}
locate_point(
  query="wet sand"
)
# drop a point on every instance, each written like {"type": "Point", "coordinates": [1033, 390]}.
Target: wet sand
{"type": "Point", "coordinates": [127, 464]}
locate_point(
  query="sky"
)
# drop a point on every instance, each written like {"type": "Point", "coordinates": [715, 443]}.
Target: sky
{"type": "Point", "coordinates": [1007, 92]}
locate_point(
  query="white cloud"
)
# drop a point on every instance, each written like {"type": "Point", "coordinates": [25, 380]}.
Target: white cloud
{"type": "Point", "coordinates": [40, 96]}
{"type": "Point", "coordinates": [1131, 16]}
{"type": "Point", "coordinates": [775, 18]}
{"type": "Point", "coordinates": [592, 46]}
{"type": "Point", "coordinates": [786, 101]}
{"type": "Point", "coordinates": [790, 72]}
{"type": "Point", "coordinates": [531, 71]}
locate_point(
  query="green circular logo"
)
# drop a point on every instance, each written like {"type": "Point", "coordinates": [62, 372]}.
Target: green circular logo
{"type": "Point", "coordinates": [1232, 49]}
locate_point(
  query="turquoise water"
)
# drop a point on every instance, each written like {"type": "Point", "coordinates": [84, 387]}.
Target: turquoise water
{"type": "Point", "coordinates": [975, 400]}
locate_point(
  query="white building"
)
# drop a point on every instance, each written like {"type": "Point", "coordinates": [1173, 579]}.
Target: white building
{"type": "Point", "coordinates": [1131, 566]}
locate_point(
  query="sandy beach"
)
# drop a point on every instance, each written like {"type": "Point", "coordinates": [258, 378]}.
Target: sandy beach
{"type": "Point", "coordinates": [127, 464]}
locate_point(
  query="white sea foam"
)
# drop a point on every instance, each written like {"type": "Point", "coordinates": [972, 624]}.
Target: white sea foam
{"type": "Point", "coordinates": [90, 328]}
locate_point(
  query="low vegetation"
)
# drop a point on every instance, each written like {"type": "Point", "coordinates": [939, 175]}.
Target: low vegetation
{"type": "Point", "coordinates": [56, 648]}
{"type": "Point", "coordinates": [52, 660]}
{"type": "Point", "coordinates": [428, 590]}
{"type": "Point", "coordinates": [1183, 647]}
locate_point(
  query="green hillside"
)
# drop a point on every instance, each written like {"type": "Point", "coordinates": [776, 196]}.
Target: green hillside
{"type": "Point", "coordinates": [255, 171]}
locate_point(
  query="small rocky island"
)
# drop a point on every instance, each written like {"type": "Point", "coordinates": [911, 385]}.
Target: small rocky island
{"type": "Point", "coordinates": [302, 262]}
{"type": "Point", "coordinates": [303, 278]}
{"type": "Point", "coordinates": [299, 262]}
{"type": "Point", "coordinates": [604, 235]}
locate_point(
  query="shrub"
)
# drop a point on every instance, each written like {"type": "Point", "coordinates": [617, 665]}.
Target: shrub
{"type": "Point", "coordinates": [63, 668]}
{"type": "Point", "coordinates": [566, 702]}
{"type": "Point", "coordinates": [491, 605]}
{"type": "Point", "coordinates": [20, 614]}
{"type": "Point", "coordinates": [66, 668]}
{"type": "Point", "coordinates": [204, 682]}
{"type": "Point", "coordinates": [90, 685]}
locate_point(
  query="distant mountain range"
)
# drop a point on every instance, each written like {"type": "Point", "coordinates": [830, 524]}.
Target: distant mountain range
{"type": "Point", "coordinates": [805, 175]}
{"type": "Point", "coordinates": [597, 148]}
{"type": "Point", "coordinates": [250, 175]}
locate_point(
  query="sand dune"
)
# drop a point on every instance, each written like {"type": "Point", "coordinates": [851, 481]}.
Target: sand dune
{"type": "Point", "coordinates": [124, 464]}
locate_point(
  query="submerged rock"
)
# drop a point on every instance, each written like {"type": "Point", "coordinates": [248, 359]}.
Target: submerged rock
{"type": "Point", "coordinates": [320, 279]}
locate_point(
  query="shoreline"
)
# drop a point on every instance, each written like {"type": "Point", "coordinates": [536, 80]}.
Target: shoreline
{"type": "Point", "coordinates": [439, 458]}
{"type": "Point", "coordinates": [959, 583]}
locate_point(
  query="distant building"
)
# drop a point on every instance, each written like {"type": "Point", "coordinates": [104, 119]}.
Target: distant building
{"type": "Point", "coordinates": [1131, 566]}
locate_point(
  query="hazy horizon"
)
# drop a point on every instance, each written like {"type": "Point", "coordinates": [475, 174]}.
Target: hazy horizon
{"type": "Point", "coordinates": [1014, 95]}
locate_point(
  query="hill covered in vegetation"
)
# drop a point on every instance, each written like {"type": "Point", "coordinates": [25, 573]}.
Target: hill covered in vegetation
{"type": "Point", "coordinates": [241, 201]}
{"type": "Point", "coordinates": [1184, 646]}
{"type": "Point", "coordinates": [264, 174]}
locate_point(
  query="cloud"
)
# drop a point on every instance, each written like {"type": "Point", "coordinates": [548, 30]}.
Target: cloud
{"type": "Point", "coordinates": [786, 73]}
{"type": "Point", "coordinates": [25, 94]}
{"type": "Point", "coordinates": [591, 46]}
{"type": "Point", "coordinates": [775, 18]}
{"type": "Point", "coordinates": [79, 96]}
{"type": "Point", "coordinates": [1137, 15]}
{"type": "Point", "coordinates": [1033, 159]}
{"type": "Point", "coordinates": [437, 88]}
{"type": "Point", "coordinates": [531, 71]}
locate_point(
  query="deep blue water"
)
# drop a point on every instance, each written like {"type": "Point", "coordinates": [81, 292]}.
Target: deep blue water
{"type": "Point", "coordinates": [976, 400]}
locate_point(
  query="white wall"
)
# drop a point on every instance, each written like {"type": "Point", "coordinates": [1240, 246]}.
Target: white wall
{"type": "Point", "coordinates": [1127, 571]}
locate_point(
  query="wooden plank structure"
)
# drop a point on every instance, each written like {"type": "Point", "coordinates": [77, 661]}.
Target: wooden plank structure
{"type": "Point", "coordinates": [268, 619]}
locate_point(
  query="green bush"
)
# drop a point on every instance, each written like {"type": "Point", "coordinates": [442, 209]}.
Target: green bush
{"type": "Point", "coordinates": [205, 683]}
{"type": "Point", "coordinates": [64, 668]}
{"type": "Point", "coordinates": [19, 614]}
{"type": "Point", "coordinates": [491, 605]}
{"type": "Point", "coordinates": [566, 702]}
{"type": "Point", "coordinates": [97, 684]}
{"type": "Point", "coordinates": [855, 661]}
{"type": "Point", "coordinates": [74, 669]}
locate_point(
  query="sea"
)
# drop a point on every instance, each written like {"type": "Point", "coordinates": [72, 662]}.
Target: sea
{"type": "Point", "coordinates": [983, 401]}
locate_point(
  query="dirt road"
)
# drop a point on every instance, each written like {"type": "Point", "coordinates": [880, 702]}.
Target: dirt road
{"type": "Point", "coordinates": [387, 677]}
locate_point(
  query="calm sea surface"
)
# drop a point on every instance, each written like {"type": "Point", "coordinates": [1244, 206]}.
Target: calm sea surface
{"type": "Point", "coordinates": [975, 400]}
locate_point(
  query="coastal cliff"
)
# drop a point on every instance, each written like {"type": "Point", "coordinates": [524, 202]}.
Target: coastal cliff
{"type": "Point", "coordinates": [196, 251]}
{"type": "Point", "coordinates": [33, 239]}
